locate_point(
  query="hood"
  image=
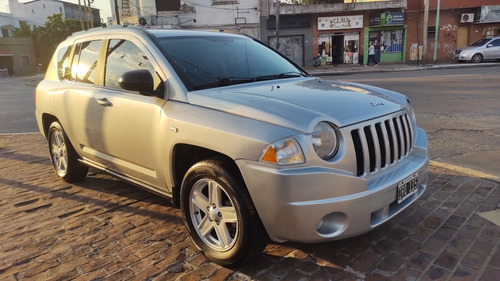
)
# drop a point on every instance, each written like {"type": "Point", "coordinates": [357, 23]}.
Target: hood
{"type": "Point", "coordinates": [471, 48]}
{"type": "Point", "coordinates": [299, 103]}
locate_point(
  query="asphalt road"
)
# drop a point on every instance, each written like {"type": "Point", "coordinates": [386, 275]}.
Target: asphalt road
{"type": "Point", "coordinates": [458, 108]}
{"type": "Point", "coordinates": [17, 105]}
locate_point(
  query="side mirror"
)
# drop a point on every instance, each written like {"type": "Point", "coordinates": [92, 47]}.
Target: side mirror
{"type": "Point", "coordinates": [489, 45]}
{"type": "Point", "coordinates": [137, 80]}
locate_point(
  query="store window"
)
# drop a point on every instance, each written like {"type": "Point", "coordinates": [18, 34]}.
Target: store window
{"type": "Point", "coordinates": [341, 48]}
{"type": "Point", "coordinates": [387, 41]}
{"type": "Point", "coordinates": [391, 41]}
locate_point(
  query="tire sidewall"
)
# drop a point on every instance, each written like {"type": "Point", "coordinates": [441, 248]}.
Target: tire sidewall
{"type": "Point", "coordinates": [56, 127]}
{"type": "Point", "coordinates": [230, 185]}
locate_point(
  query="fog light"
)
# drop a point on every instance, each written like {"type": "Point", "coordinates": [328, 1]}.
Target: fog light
{"type": "Point", "coordinates": [332, 224]}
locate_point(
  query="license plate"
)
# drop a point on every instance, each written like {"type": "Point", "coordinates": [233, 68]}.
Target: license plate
{"type": "Point", "coordinates": [407, 188]}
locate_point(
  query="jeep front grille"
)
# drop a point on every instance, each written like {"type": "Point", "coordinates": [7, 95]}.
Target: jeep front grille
{"type": "Point", "coordinates": [382, 143]}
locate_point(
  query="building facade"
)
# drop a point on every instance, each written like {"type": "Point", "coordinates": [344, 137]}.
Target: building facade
{"type": "Point", "coordinates": [337, 33]}
{"type": "Point", "coordinates": [461, 22]}
{"type": "Point", "coordinates": [37, 11]}
{"type": "Point", "coordinates": [233, 15]}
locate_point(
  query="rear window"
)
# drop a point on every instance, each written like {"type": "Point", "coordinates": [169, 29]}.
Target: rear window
{"type": "Point", "coordinates": [63, 70]}
{"type": "Point", "coordinates": [84, 64]}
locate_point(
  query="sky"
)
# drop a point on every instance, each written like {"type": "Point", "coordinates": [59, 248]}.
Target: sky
{"type": "Point", "coordinates": [103, 5]}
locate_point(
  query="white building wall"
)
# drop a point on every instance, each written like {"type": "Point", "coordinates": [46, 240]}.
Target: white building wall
{"type": "Point", "coordinates": [238, 15]}
{"type": "Point", "coordinates": [241, 15]}
{"type": "Point", "coordinates": [38, 11]}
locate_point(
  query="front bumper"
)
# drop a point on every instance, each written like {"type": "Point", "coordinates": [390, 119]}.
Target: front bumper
{"type": "Point", "coordinates": [462, 57]}
{"type": "Point", "coordinates": [309, 204]}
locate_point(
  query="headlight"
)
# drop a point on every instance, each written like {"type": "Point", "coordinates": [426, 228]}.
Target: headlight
{"type": "Point", "coordinates": [284, 152]}
{"type": "Point", "coordinates": [324, 140]}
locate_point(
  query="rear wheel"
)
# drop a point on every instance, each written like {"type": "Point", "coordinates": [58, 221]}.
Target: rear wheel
{"type": "Point", "coordinates": [63, 155]}
{"type": "Point", "coordinates": [477, 58]}
{"type": "Point", "coordinates": [219, 214]}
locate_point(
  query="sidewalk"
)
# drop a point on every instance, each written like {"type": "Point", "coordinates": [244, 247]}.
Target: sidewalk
{"type": "Point", "coordinates": [105, 229]}
{"type": "Point", "coordinates": [344, 69]}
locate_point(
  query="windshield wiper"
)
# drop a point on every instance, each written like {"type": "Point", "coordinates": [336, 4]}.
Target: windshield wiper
{"type": "Point", "coordinates": [225, 81]}
{"type": "Point", "coordinates": [290, 74]}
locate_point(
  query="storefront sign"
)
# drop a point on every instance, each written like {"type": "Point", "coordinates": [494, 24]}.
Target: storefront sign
{"type": "Point", "coordinates": [342, 22]}
{"type": "Point", "coordinates": [388, 18]}
{"type": "Point", "coordinates": [490, 14]}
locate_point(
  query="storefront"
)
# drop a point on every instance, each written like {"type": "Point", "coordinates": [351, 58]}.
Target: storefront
{"type": "Point", "coordinates": [295, 37]}
{"type": "Point", "coordinates": [338, 39]}
{"type": "Point", "coordinates": [387, 32]}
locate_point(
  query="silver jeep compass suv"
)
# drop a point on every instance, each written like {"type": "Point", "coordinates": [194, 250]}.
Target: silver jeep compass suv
{"type": "Point", "coordinates": [244, 141]}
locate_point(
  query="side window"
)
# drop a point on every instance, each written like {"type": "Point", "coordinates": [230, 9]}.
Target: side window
{"type": "Point", "coordinates": [496, 43]}
{"type": "Point", "coordinates": [84, 64]}
{"type": "Point", "coordinates": [63, 69]}
{"type": "Point", "coordinates": [76, 59]}
{"type": "Point", "coordinates": [123, 56]}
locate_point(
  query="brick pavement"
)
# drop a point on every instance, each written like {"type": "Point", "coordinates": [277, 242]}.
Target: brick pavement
{"type": "Point", "coordinates": [104, 229]}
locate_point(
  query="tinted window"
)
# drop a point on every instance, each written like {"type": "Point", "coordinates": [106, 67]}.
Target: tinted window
{"type": "Point", "coordinates": [211, 61]}
{"type": "Point", "coordinates": [76, 59]}
{"type": "Point", "coordinates": [85, 61]}
{"type": "Point", "coordinates": [480, 42]}
{"type": "Point", "coordinates": [123, 56]}
{"type": "Point", "coordinates": [63, 69]}
{"type": "Point", "coordinates": [496, 42]}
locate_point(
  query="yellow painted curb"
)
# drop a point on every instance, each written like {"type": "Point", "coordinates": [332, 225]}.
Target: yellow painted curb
{"type": "Point", "coordinates": [467, 171]}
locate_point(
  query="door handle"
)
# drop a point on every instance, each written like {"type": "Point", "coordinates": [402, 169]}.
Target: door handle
{"type": "Point", "coordinates": [104, 102]}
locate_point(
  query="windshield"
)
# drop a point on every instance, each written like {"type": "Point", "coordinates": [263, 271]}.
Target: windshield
{"type": "Point", "coordinates": [220, 60]}
{"type": "Point", "coordinates": [480, 42]}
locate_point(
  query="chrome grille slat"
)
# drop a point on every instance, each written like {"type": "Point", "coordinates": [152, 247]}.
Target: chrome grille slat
{"type": "Point", "coordinates": [376, 144]}
{"type": "Point", "coordinates": [382, 143]}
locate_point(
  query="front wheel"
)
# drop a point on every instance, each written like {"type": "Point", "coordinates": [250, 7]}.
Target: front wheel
{"type": "Point", "coordinates": [477, 58]}
{"type": "Point", "coordinates": [63, 156]}
{"type": "Point", "coordinates": [220, 215]}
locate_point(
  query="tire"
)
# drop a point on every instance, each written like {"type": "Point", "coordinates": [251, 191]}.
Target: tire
{"type": "Point", "coordinates": [63, 156]}
{"type": "Point", "coordinates": [477, 58]}
{"type": "Point", "coordinates": [220, 215]}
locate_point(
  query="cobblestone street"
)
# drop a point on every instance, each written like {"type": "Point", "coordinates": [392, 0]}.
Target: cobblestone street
{"type": "Point", "coordinates": [105, 229]}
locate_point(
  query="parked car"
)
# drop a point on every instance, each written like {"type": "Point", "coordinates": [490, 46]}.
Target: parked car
{"type": "Point", "coordinates": [244, 141]}
{"type": "Point", "coordinates": [482, 49]}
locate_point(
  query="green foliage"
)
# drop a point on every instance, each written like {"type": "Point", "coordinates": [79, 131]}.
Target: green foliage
{"type": "Point", "coordinates": [46, 38]}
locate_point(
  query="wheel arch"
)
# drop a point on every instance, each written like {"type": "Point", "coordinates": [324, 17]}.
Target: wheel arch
{"type": "Point", "coordinates": [47, 120]}
{"type": "Point", "coordinates": [184, 156]}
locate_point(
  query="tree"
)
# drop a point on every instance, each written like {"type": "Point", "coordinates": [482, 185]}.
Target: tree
{"type": "Point", "coordinates": [47, 38]}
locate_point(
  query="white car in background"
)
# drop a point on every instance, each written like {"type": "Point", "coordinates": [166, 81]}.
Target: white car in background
{"type": "Point", "coordinates": [482, 49]}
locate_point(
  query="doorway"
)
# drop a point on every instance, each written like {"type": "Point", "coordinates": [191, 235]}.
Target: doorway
{"type": "Point", "coordinates": [463, 36]}
{"type": "Point", "coordinates": [338, 49]}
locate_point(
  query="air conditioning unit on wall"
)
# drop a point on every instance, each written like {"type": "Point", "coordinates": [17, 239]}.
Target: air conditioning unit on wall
{"type": "Point", "coordinates": [147, 20]}
{"type": "Point", "coordinates": [467, 18]}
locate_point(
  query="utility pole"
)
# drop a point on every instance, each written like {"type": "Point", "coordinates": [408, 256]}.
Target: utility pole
{"type": "Point", "coordinates": [91, 18]}
{"type": "Point", "coordinates": [277, 24]}
{"type": "Point", "coordinates": [437, 31]}
{"type": "Point", "coordinates": [80, 13]}
{"type": "Point", "coordinates": [426, 25]}
{"type": "Point", "coordinates": [116, 13]}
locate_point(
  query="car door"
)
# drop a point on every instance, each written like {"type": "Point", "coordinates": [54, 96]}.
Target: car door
{"type": "Point", "coordinates": [493, 52]}
{"type": "Point", "coordinates": [74, 101]}
{"type": "Point", "coordinates": [126, 122]}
